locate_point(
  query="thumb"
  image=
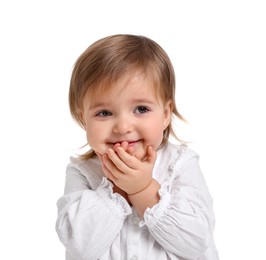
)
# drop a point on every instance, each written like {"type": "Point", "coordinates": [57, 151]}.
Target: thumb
{"type": "Point", "coordinates": [151, 155]}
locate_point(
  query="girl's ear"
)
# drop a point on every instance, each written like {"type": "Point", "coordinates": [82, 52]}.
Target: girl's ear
{"type": "Point", "coordinates": [168, 109]}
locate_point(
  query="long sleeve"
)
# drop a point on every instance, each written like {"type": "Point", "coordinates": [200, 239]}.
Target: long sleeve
{"type": "Point", "coordinates": [183, 221]}
{"type": "Point", "coordinates": [89, 219]}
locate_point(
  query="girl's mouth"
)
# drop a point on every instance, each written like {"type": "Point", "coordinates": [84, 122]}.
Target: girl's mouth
{"type": "Point", "coordinates": [129, 143]}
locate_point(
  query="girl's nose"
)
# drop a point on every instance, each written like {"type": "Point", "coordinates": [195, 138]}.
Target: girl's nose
{"type": "Point", "coordinates": [123, 125]}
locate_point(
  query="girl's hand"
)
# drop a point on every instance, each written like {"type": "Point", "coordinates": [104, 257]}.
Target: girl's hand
{"type": "Point", "coordinates": [115, 188]}
{"type": "Point", "coordinates": [126, 170]}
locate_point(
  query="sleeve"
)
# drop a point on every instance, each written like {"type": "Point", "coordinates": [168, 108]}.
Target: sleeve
{"type": "Point", "coordinates": [89, 220]}
{"type": "Point", "coordinates": [183, 221]}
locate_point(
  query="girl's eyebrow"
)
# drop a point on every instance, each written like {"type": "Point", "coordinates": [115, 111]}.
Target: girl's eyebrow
{"type": "Point", "coordinates": [98, 105]}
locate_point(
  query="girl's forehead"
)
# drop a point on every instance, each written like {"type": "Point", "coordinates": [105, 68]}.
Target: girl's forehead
{"type": "Point", "coordinates": [136, 82]}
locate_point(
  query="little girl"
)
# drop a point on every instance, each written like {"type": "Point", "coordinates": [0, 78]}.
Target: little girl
{"type": "Point", "coordinates": [134, 195]}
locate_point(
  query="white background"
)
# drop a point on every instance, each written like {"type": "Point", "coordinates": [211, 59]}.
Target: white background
{"type": "Point", "coordinates": [218, 50]}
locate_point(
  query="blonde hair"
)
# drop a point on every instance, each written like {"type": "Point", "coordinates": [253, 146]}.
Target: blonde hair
{"type": "Point", "coordinates": [111, 58]}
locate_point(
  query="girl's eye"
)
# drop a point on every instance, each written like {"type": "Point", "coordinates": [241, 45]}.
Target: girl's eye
{"type": "Point", "coordinates": [142, 110]}
{"type": "Point", "coordinates": [104, 113]}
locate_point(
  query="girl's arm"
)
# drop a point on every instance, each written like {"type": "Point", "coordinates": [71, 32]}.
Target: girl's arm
{"type": "Point", "coordinates": [146, 198]}
{"type": "Point", "coordinates": [183, 221]}
{"type": "Point", "coordinates": [89, 220]}
{"type": "Point", "coordinates": [178, 214]}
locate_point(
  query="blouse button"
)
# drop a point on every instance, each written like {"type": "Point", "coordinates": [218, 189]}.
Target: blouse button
{"type": "Point", "coordinates": [134, 257]}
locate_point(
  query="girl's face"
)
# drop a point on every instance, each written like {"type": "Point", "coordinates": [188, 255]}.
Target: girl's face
{"type": "Point", "coordinates": [130, 111]}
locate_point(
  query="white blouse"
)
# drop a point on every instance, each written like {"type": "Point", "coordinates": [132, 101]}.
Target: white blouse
{"type": "Point", "coordinates": [95, 223]}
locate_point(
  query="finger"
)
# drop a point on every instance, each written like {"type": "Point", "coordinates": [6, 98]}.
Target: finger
{"type": "Point", "coordinates": [111, 167]}
{"type": "Point", "coordinates": [117, 145]}
{"type": "Point", "coordinates": [108, 174]}
{"type": "Point", "coordinates": [124, 145]}
{"type": "Point", "coordinates": [138, 156]}
{"type": "Point", "coordinates": [106, 171]}
{"type": "Point", "coordinates": [128, 160]}
{"type": "Point", "coordinates": [131, 151]}
{"type": "Point", "coordinates": [151, 155]}
{"type": "Point", "coordinates": [117, 162]}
